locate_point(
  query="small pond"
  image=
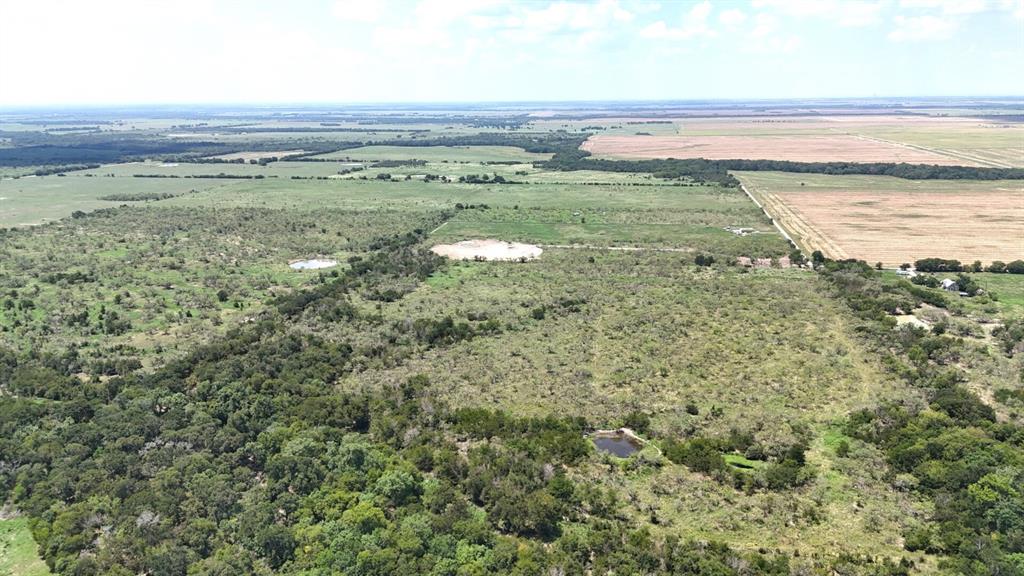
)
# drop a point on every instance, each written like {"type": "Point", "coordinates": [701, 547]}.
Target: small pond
{"type": "Point", "coordinates": [618, 444]}
{"type": "Point", "coordinates": [314, 264]}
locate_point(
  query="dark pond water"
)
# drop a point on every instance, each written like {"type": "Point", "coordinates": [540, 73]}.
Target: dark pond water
{"type": "Point", "coordinates": [620, 446]}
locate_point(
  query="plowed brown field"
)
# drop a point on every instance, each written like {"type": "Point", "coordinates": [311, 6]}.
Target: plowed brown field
{"type": "Point", "coordinates": [889, 220]}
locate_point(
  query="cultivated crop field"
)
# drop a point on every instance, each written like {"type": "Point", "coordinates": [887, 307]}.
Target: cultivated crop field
{"type": "Point", "coordinates": [810, 148]}
{"type": "Point", "coordinates": [822, 138]}
{"type": "Point", "coordinates": [891, 220]}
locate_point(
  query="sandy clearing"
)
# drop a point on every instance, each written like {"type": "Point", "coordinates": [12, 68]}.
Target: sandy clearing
{"type": "Point", "coordinates": [488, 250]}
{"type": "Point", "coordinates": [797, 148]}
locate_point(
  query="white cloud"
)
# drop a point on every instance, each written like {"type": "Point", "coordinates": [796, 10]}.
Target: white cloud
{"type": "Point", "coordinates": [357, 10]}
{"type": "Point", "coordinates": [920, 28]}
{"type": "Point", "coordinates": [849, 13]}
{"type": "Point", "coordinates": [1014, 6]}
{"type": "Point", "coordinates": [948, 6]}
{"type": "Point", "coordinates": [695, 23]}
{"type": "Point", "coordinates": [560, 16]}
{"type": "Point", "coordinates": [965, 7]}
{"type": "Point", "coordinates": [732, 18]}
{"type": "Point", "coordinates": [764, 25]}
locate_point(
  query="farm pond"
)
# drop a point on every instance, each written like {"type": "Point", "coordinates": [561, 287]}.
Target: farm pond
{"type": "Point", "coordinates": [617, 443]}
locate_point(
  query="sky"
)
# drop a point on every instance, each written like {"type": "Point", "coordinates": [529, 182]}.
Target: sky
{"type": "Point", "coordinates": [336, 51]}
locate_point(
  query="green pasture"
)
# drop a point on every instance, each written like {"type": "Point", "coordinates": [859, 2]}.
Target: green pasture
{"type": "Point", "coordinates": [475, 154]}
{"type": "Point", "coordinates": [19, 554]}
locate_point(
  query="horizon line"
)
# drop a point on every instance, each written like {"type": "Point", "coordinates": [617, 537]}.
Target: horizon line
{"type": "Point", "coordinates": [1013, 98]}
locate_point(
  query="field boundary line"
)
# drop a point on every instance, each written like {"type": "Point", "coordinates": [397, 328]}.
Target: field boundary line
{"type": "Point", "coordinates": [957, 155]}
{"type": "Point", "coordinates": [772, 218]}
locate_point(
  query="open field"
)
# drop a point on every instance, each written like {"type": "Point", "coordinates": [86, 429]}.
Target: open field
{"type": "Point", "coordinates": [256, 155]}
{"type": "Point", "coordinates": [819, 138]}
{"type": "Point", "coordinates": [183, 169]}
{"type": "Point", "coordinates": [811, 148]}
{"type": "Point", "coordinates": [34, 200]}
{"type": "Point", "coordinates": [439, 153]}
{"type": "Point", "coordinates": [890, 220]}
{"type": "Point", "coordinates": [19, 554]}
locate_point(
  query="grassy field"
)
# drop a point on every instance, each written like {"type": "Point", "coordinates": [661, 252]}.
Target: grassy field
{"type": "Point", "coordinates": [933, 140]}
{"type": "Point", "coordinates": [34, 200]}
{"type": "Point", "coordinates": [893, 221]}
{"type": "Point", "coordinates": [1008, 288]}
{"type": "Point", "coordinates": [475, 154]}
{"type": "Point", "coordinates": [273, 170]}
{"type": "Point", "coordinates": [18, 551]}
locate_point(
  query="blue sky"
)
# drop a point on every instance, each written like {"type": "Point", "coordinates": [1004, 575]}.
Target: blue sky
{"type": "Point", "coordinates": [185, 51]}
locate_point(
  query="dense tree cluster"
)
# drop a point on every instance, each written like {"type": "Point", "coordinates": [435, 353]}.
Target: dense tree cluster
{"type": "Point", "coordinates": [703, 170]}
{"type": "Point", "coordinates": [137, 196]}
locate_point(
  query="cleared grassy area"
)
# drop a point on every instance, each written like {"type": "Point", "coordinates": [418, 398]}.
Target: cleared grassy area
{"type": "Point", "coordinates": [272, 170]}
{"type": "Point", "coordinates": [34, 200]}
{"type": "Point", "coordinates": [439, 153]}
{"type": "Point", "coordinates": [19, 554]}
{"type": "Point", "coordinates": [1008, 288]}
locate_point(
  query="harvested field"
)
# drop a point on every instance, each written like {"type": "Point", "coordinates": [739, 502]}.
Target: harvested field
{"type": "Point", "coordinates": [889, 220]}
{"type": "Point", "coordinates": [487, 250]}
{"type": "Point", "coordinates": [801, 148]}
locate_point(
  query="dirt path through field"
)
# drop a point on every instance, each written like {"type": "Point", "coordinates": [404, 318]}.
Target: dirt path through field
{"type": "Point", "coordinates": [970, 159]}
{"type": "Point", "coordinates": [793, 225]}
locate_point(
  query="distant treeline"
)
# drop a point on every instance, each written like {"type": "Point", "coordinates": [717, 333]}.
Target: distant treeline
{"type": "Point", "coordinates": [397, 163]}
{"type": "Point", "coordinates": [322, 128]}
{"type": "Point", "coordinates": [717, 171]}
{"type": "Point", "coordinates": [63, 169]}
{"type": "Point", "coordinates": [907, 171]}
{"type": "Point", "coordinates": [73, 129]}
{"type": "Point", "coordinates": [221, 175]}
{"type": "Point", "coordinates": [91, 152]}
{"type": "Point", "coordinates": [137, 196]}
{"type": "Point", "coordinates": [945, 265]}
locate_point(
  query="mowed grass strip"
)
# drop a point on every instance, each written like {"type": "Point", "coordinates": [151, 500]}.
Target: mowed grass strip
{"type": "Point", "coordinates": [19, 554]}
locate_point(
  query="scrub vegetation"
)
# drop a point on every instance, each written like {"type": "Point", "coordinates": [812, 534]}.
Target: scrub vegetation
{"type": "Point", "coordinates": [176, 400]}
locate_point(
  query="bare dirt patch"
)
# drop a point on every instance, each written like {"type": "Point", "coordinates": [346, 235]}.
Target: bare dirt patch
{"type": "Point", "coordinates": [488, 250]}
{"type": "Point", "coordinates": [796, 148]}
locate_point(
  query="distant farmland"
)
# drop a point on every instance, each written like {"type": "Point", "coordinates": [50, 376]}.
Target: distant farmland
{"type": "Point", "coordinates": [811, 148]}
{"type": "Point", "coordinates": [842, 138]}
{"type": "Point", "coordinates": [890, 220]}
